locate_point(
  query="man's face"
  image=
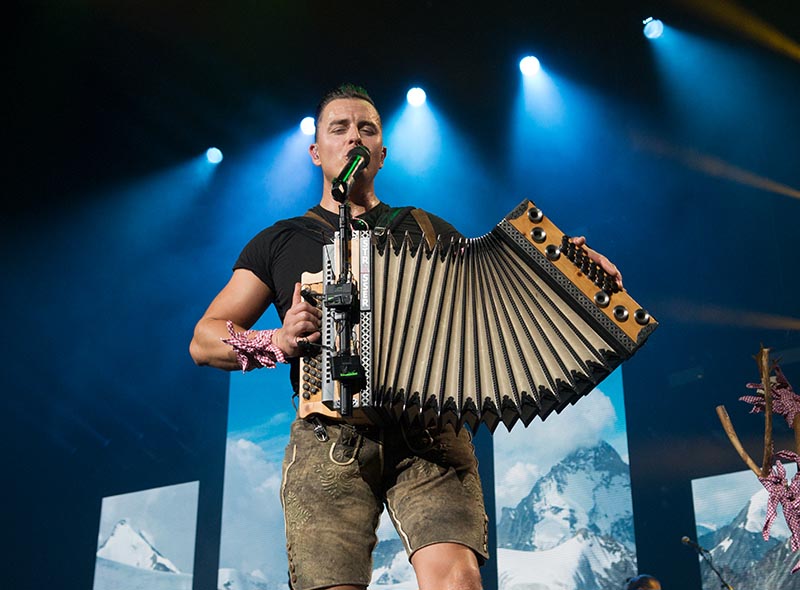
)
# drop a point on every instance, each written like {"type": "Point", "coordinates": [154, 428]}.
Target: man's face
{"type": "Point", "coordinates": [343, 124]}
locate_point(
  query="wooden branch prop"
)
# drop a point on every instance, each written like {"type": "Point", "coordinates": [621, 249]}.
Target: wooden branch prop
{"type": "Point", "coordinates": [762, 358]}
{"type": "Point", "coordinates": [731, 432]}
{"type": "Point", "coordinates": [763, 366]}
{"type": "Point", "coordinates": [781, 493]}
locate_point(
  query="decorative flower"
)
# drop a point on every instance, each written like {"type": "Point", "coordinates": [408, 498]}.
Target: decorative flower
{"type": "Point", "coordinates": [784, 400]}
{"type": "Point", "coordinates": [787, 495]}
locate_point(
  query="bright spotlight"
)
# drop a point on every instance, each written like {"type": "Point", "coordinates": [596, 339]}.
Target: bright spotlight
{"type": "Point", "coordinates": [653, 28]}
{"type": "Point", "coordinates": [416, 97]}
{"type": "Point", "coordinates": [529, 66]}
{"type": "Point", "coordinates": [307, 126]}
{"type": "Point", "coordinates": [213, 155]}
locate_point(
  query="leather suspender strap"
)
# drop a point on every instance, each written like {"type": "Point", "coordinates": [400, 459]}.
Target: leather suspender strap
{"type": "Point", "coordinates": [319, 218]}
{"type": "Point", "coordinates": [425, 224]}
{"type": "Point", "coordinates": [419, 215]}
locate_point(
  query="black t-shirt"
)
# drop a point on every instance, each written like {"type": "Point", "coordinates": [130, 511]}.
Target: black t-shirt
{"type": "Point", "coordinates": [281, 253]}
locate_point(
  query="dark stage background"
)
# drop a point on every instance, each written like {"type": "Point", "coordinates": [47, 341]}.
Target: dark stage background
{"type": "Point", "coordinates": [103, 285]}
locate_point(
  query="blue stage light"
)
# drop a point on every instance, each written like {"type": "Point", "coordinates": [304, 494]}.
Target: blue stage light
{"type": "Point", "coordinates": [214, 155]}
{"type": "Point", "coordinates": [416, 97]}
{"type": "Point", "coordinates": [529, 66]}
{"type": "Point", "coordinates": [653, 28]}
{"type": "Point", "coordinates": [307, 126]}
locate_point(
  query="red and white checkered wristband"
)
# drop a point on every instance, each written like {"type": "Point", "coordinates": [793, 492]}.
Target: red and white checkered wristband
{"type": "Point", "coordinates": [254, 348]}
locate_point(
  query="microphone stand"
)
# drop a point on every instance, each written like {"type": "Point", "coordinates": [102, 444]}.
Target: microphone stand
{"type": "Point", "coordinates": [706, 555]}
{"type": "Point", "coordinates": [342, 298]}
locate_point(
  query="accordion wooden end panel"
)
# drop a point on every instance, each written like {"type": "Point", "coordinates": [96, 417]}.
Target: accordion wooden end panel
{"type": "Point", "coordinates": [502, 328]}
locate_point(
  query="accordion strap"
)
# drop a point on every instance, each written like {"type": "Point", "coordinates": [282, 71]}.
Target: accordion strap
{"type": "Point", "coordinates": [426, 226]}
{"type": "Point", "coordinates": [319, 218]}
{"type": "Point", "coordinates": [420, 216]}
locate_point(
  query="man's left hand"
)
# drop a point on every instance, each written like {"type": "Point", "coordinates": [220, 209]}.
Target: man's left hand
{"type": "Point", "coordinates": [609, 267]}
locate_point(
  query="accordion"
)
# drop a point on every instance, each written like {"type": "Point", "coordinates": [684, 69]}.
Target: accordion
{"type": "Point", "coordinates": [505, 327]}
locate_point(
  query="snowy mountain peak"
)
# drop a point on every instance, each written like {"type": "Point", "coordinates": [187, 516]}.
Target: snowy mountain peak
{"type": "Point", "coordinates": [128, 545]}
{"type": "Point", "coordinates": [585, 561]}
{"type": "Point", "coordinates": [601, 457]}
{"type": "Point", "coordinates": [589, 489]}
{"type": "Point", "coordinates": [739, 547]}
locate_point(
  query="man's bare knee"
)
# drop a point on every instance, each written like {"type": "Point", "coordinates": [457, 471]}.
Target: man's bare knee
{"type": "Point", "coordinates": [447, 566]}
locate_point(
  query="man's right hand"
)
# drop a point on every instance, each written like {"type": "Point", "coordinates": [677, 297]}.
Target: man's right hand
{"type": "Point", "coordinates": [301, 325]}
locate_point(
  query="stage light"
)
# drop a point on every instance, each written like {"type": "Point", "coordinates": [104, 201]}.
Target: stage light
{"type": "Point", "coordinates": [529, 66]}
{"type": "Point", "coordinates": [214, 155]}
{"type": "Point", "coordinates": [744, 21]}
{"type": "Point", "coordinates": [307, 126]}
{"type": "Point", "coordinates": [653, 28]}
{"type": "Point", "coordinates": [416, 97]}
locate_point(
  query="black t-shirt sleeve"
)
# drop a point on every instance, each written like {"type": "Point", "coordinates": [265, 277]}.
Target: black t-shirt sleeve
{"type": "Point", "coordinates": [280, 254]}
{"type": "Point", "coordinates": [256, 257]}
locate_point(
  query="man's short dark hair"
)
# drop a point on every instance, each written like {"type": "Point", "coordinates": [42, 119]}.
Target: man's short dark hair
{"type": "Point", "coordinates": [346, 90]}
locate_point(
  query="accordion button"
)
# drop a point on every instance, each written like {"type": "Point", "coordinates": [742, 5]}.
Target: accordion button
{"type": "Point", "coordinates": [620, 313]}
{"type": "Point", "coordinates": [538, 235]}
{"type": "Point", "coordinates": [552, 252]}
{"type": "Point", "coordinates": [535, 214]}
{"type": "Point", "coordinates": [641, 316]}
{"type": "Point", "coordinates": [602, 299]}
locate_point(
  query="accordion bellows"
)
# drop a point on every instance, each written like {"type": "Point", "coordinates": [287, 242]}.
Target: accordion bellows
{"type": "Point", "coordinates": [505, 327]}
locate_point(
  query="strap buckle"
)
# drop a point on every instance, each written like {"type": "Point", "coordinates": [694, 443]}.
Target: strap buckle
{"type": "Point", "coordinates": [319, 429]}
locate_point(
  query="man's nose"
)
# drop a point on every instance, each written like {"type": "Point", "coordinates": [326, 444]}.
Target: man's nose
{"type": "Point", "coordinates": [355, 136]}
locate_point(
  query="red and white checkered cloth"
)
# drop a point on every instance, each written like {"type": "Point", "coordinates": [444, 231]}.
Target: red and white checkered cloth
{"type": "Point", "coordinates": [781, 492]}
{"type": "Point", "coordinates": [784, 400]}
{"type": "Point", "coordinates": [254, 348]}
{"type": "Point", "coordinates": [787, 495]}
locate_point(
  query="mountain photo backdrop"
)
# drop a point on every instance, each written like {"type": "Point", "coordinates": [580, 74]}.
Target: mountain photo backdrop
{"type": "Point", "coordinates": [730, 511]}
{"type": "Point", "coordinates": [562, 487]}
{"type": "Point", "coordinates": [564, 511]}
{"type": "Point", "coordinates": [146, 539]}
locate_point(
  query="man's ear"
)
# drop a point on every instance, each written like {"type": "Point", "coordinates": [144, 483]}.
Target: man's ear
{"type": "Point", "coordinates": [383, 156]}
{"type": "Point", "coordinates": [314, 153]}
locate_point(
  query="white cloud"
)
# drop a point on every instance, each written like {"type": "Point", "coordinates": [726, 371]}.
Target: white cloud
{"type": "Point", "coordinates": [524, 454]}
{"type": "Point", "coordinates": [516, 483]}
{"type": "Point", "coordinates": [386, 528]}
{"type": "Point", "coordinates": [252, 519]}
{"type": "Point", "coordinates": [719, 498]}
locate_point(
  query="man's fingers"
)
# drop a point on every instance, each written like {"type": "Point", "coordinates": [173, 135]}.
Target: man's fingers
{"type": "Point", "coordinates": [307, 327]}
{"type": "Point", "coordinates": [296, 297]}
{"type": "Point", "coordinates": [310, 317]}
{"type": "Point", "coordinates": [603, 261]}
{"type": "Point", "coordinates": [302, 342]}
